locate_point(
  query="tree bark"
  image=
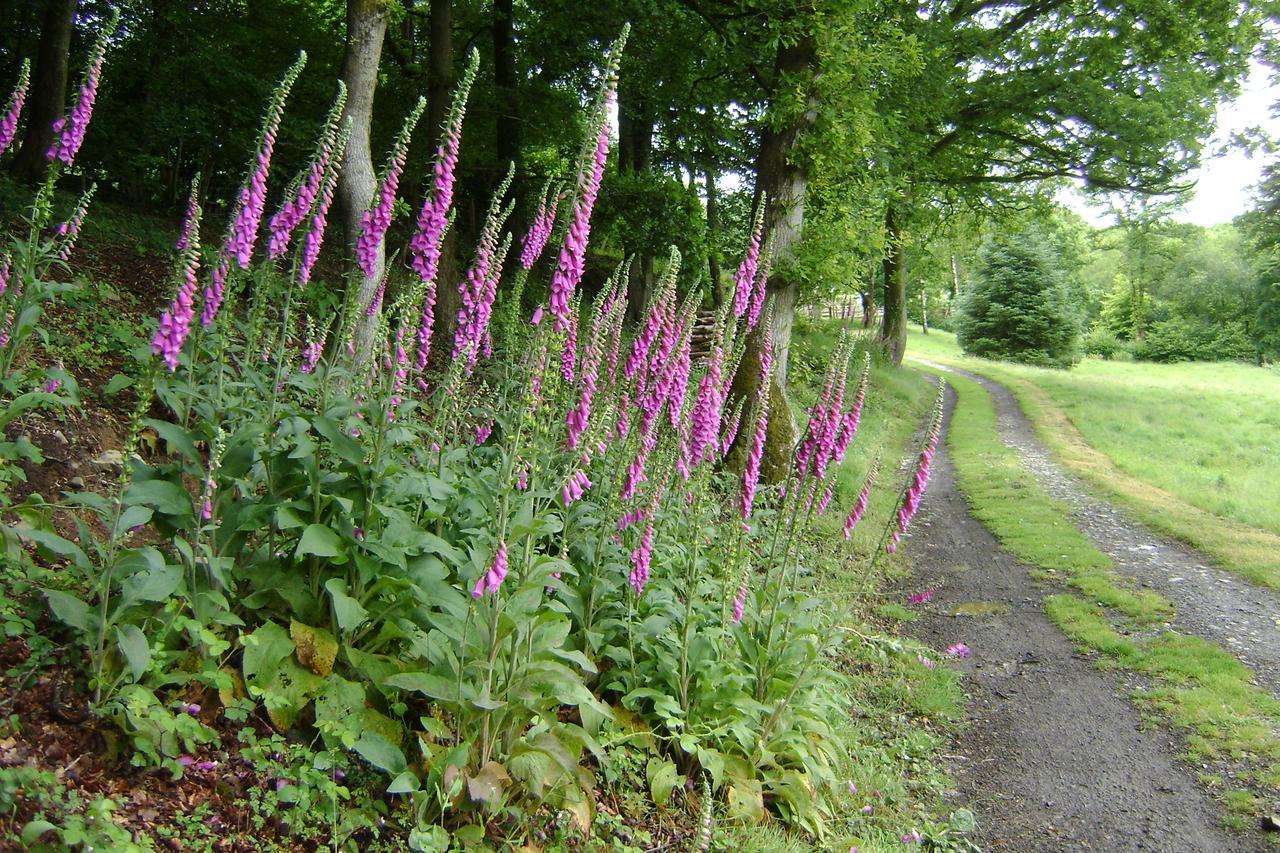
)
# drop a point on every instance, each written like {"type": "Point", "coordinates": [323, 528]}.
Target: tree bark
{"type": "Point", "coordinates": [48, 94]}
{"type": "Point", "coordinates": [893, 329]}
{"type": "Point", "coordinates": [366, 28]}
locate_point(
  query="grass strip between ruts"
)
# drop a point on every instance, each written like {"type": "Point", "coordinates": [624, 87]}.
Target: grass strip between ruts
{"type": "Point", "coordinates": [1197, 685]}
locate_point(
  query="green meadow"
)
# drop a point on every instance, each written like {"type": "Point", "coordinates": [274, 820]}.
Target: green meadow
{"type": "Point", "coordinates": [1193, 448]}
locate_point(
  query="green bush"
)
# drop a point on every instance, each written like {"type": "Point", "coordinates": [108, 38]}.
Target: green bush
{"type": "Point", "coordinates": [1104, 343]}
{"type": "Point", "coordinates": [1178, 339]}
{"type": "Point", "coordinates": [1019, 308]}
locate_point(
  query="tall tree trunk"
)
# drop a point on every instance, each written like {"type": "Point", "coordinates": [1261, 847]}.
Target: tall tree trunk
{"type": "Point", "coordinates": [924, 313]}
{"type": "Point", "coordinates": [366, 28]}
{"type": "Point", "coordinates": [439, 94]}
{"type": "Point", "coordinates": [893, 329]}
{"type": "Point", "coordinates": [507, 83]}
{"type": "Point", "coordinates": [635, 149]}
{"type": "Point", "coordinates": [48, 94]}
{"type": "Point", "coordinates": [713, 232]}
{"type": "Point", "coordinates": [783, 181]}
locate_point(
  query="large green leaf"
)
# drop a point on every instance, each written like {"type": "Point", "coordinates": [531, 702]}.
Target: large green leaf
{"type": "Point", "coordinates": [319, 541]}
{"type": "Point", "coordinates": [165, 496]}
{"type": "Point", "coordinates": [381, 753]}
{"type": "Point", "coordinates": [68, 609]}
{"type": "Point", "coordinates": [135, 648]}
{"type": "Point", "coordinates": [663, 779]}
{"type": "Point", "coordinates": [349, 612]}
{"type": "Point", "coordinates": [432, 686]}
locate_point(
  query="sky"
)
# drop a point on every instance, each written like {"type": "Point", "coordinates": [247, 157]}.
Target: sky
{"type": "Point", "coordinates": [1225, 183]}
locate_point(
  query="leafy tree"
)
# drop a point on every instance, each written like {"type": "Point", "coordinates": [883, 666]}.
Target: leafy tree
{"type": "Point", "coordinates": [1020, 306]}
{"type": "Point", "coordinates": [1120, 95]}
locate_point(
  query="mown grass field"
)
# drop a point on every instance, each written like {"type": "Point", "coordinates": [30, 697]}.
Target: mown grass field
{"type": "Point", "coordinates": [1194, 449]}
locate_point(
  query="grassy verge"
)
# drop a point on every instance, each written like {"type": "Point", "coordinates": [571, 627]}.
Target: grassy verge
{"type": "Point", "coordinates": [1189, 449]}
{"type": "Point", "coordinates": [1203, 690]}
{"type": "Point", "coordinates": [901, 710]}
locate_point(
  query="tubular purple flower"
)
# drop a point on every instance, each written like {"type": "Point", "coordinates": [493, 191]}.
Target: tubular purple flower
{"type": "Point", "coordinates": [579, 416]}
{"type": "Point", "coordinates": [491, 581]}
{"type": "Point", "coordinates": [740, 601]}
{"type": "Point", "coordinates": [375, 303]}
{"type": "Point", "coordinates": [5, 272]}
{"type": "Point", "coordinates": [641, 559]}
{"type": "Point", "coordinates": [744, 282]}
{"type": "Point", "coordinates": [9, 122]}
{"type": "Point", "coordinates": [707, 410]}
{"type": "Point", "coordinates": [315, 234]}
{"type": "Point", "coordinates": [731, 432]}
{"type": "Point", "coordinates": [242, 232]}
{"type": "Point", "coordinates": [312, 351]}
{"type": "Point", "coordinates": [175, 322]}
{"type": "Point", "coordinates": [760, 292]}
{"type": "Point", "coordinates": [920, 478]}
{"type": "Point", "coordinates": [68, 131]}
{"type": "Point", "coordinates": [253, 195]}
{"type": "Point", "coordinates": [68, 231]}
{"type": "Point", "coordinates": [860, 506]}
{"type": "Point", "coordinates": [479, 287]}
{"type": "Point", "coordinates": [484, 429]}
{"type": "Point", "coordinates": [849, 422]}
{"type": "Point", "coordinates": [307, 186]}
{"type": "Point", "coordinates": [572, 259]}
{"type": "Point", "coordinates": [575, 487]}
{"type": "Point", "coordinates": [573, 253]}
{"type": "Point", "coordinates": [751, 473]}
{"type": "Point", "coordinates": [375, 221]}
{"type": "Point", "coordinates": [825, 500]}
{"type": "Point", "coordinates": [544, 221]}
{"type": "Point", "coordinates": [436, 214]}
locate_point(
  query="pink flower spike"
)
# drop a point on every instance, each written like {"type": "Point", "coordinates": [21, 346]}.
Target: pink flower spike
{"type": "Point", "coordinates": [9, 121]}
{"type": "Point", "coordinates": [958, 650]}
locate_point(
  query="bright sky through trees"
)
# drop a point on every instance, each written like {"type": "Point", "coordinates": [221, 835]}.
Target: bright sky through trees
{"type": "Point", "coordinates": [1225, 184]}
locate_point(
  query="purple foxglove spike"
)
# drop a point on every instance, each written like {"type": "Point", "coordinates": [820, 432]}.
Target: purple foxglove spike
{"type": "Point", "coordinates": [9, 121]}
{"type": "Point", "coordinates": [377, 219]}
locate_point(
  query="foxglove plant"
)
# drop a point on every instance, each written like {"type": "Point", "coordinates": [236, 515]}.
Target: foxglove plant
{"type": "Point", "coordinates": [572, 260]}
{"type": "Point", "coordinates": [175, 322]}
{"type": "Point", "coordinates": [477, 289]}
{"type": "Point", "coordinates": [67, 232]}
{"type": "Point", "coordinates": [242, 232]}
{"type": "Point", "coordinates": [306, 187]}
{"type": "Point", "coordinates": [745, 281]}
{"type": "Point", "coordinates": [375, 221]}
{"type": "Point", "coordinates": [544, 220]}
{"type": "Point", "coordinates": [320, 213]}
{"type": "Point", "coordinates": [13, 109]}
{"type": "Point", "coordinates": [433, 220]}
{"type": "Point", "coordinates": [860, 505]}
{"type": "Point", "coordinates": [920, 478]}
{"type": "Point", "coordinates": [69, 131]}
